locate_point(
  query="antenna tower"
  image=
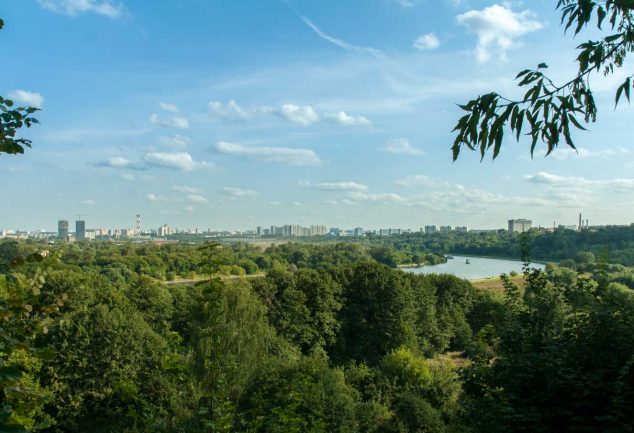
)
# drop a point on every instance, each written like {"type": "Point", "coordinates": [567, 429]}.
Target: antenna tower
{"type": "Point", "coordinates": [137, 230]}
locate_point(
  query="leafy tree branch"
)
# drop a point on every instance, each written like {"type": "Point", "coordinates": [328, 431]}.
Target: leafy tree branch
{"type": "Point", "coordinates": [548, 112]}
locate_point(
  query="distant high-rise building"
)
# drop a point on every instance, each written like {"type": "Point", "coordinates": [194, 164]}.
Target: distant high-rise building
{"type": "Point", "coordinates": [62, 229]}
{"type": "Point", "coordinates": [165, 230]}
{"type": "Point", "coordinates": [430, 229]}
{"type": "Point", "coordinates": [461, 229]}
{"type": "Point", "coordinates": [80, 230]}
{"type": "Point", "coordinates": [318, 230]}
{"type": "Point", "coordinates": [519, 225]}
{"type": "Point", "coordinates": [445, 229]}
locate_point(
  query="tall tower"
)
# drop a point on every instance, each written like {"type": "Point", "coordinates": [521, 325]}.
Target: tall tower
{"type": "Point", "coordinates": [137, 230]}
{"type": "Point", "coordinates": [62, 230]}
{"type": "Point", "coordinates": [580, 226]}
{"type": "Point", "coordinates": [80, 230]}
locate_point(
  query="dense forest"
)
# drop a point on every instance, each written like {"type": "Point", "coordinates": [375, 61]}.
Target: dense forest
{"type": "Point", "coordinates": [304, 338]}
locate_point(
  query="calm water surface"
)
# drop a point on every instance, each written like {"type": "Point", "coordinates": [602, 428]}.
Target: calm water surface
{"type": "Point", "coordinates": [477, 268]}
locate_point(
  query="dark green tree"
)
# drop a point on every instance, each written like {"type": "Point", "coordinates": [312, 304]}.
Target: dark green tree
{"type": "Point", "coordinates": [303, 397]}
{"type": "Point", "coordinates": [378, 316]}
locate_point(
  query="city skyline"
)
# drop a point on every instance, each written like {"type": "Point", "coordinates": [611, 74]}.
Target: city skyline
{"type": "Point", "coordinates": [339, 114]}
{"type": "Point", "coordinates": [63, 229]}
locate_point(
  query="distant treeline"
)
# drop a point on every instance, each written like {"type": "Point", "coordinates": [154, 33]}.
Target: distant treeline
{"type": "Point", "coordinates": [612, 243]}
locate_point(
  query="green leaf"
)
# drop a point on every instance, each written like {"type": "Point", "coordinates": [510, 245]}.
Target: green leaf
{"type": "Point", "coordinates": [1, 24]}
{"type": "Point", "coordinates": [601, 13]}
{"type": "Point", "coordinates": [625, 87]}
{"type": "Point", "coordinates": [11, 373]}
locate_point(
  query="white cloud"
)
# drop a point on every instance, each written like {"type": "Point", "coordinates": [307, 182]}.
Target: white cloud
{"type": "Point", "coordinates": [575, 181]}
{"type": "Point", "coordinates": [389, 197]}
{"type": "Point", "coordinates": [172, 108]}
{"type": "Point", "coordinates": [335, 186]}
{"type": "Point", "coordinates": [303, 115]}
{"type": "Point", "coordinates": [343, 118]}
{"type": "Point", "coordinates": [274, 203]}
{"type": "Point", "coordinates": [185, 188]}
{"type": "Point", "coordinates": [406, 3]}
{"type": "Point", "coordinates": [117, 162]}
{"type": "Point", "coordinates": [32, 99]}
{"type": "Point", "coordinates": [197, 198]}
{"type": "Point", "coordinates": [566, 153]}
{"type": "Point", "coordinates": [427, 41]}
{"type": "Point", "coordinates": [497, 28]}
{"type": "Point", "coordinates": [154, 197]}
{"type": "Point", "coordinates": [285, 155]}
{"type": "Point", "coordinates": [177, 160]}
{"type": "Point", "coordinates": [74, 7]}
{"type": "Point", "coordinates": [402, 146]}
{"type": "Point", "coordinates": [89, 202]}
{"type": "Point", "coordinates": [230, 110]}
{"type": "Point", "coordinates": [128, 176]}
{"type": "Point", "coordinates": [238, 192]}
{"type": "Point", "coordinates": [178, 122]}
{"type": "Point", "coordinates": [175, 141]}
{"type": "Point", "coordinates": [421, 180]}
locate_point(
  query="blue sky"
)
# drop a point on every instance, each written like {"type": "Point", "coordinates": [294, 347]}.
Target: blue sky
{"type": "Point", "coordinates": [232, 114]}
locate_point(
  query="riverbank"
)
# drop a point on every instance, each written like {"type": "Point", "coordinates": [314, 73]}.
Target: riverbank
{"type": "Point", "coordinates": [513, 259]}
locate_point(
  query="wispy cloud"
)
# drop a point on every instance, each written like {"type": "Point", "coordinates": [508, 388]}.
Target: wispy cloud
{"type": "Point", "coordinates": [388, 197]}
{"type": "Point", "coordinates": [175, 141]}
{"type": "Point", "coordinates": [238, 192]}
{"type": "Point", "coordinates": [497, 27]}
{"type": "Point", "coordinates": [576, 181]}
{"type": "Point", "coordinates": [155, 197]}
{"type": "Point", "coordinates": [407, 3]}
{"type": "Point", "coordinates": [567, 153]}
{"type": "Point", "coordinates": [197, 198]}
{"type": "Point", "coordinates": [32, 99]}
{"type": "Point", "coordinates": [402, 146]}
{"type": "Point", "coordinates": [171, 108]}
{"type": "Point", "coordinates": [186, 189]}
{"type": "Point", "coordinates": [339, 42]}
{"type": "Point", "coordinates": [105, 8]}
{"type": "Point", "coordinates": [335, 186]}
{"type": "Point", "coordinates": [285, 155]}
{"type": "Point", "coordinates": [178, 122]}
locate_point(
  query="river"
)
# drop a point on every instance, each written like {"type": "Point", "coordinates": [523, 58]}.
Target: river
{"type": "Point", "coordinates": [478, 267]}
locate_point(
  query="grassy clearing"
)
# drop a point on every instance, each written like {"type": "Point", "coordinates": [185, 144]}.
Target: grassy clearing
{"type": "Point", "coordinates": [496, 285]}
